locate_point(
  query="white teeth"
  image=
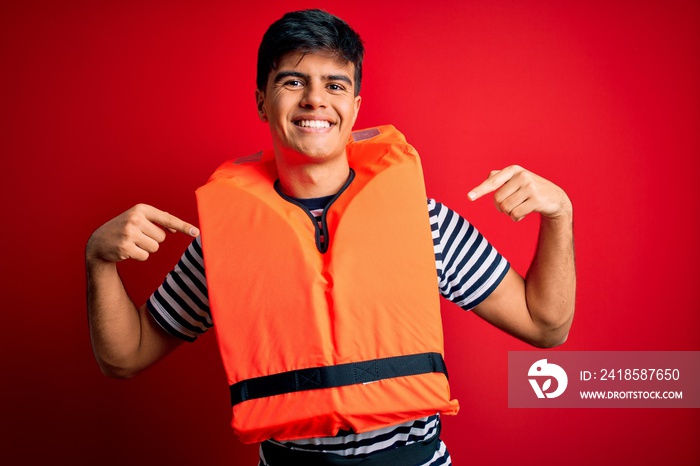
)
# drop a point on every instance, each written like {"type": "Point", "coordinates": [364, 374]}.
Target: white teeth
{"type": "Point", "coordinates": [314, 124]}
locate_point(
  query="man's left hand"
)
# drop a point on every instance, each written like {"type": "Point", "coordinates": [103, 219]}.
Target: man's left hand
{"type": "Point", "coordinates": [519, 192]}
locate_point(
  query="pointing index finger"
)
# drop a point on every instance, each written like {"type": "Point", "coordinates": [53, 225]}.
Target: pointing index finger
{"type": "Point", "coordinates": [171, 222]}
{"type": "Point", "coordinates": [492, 183]}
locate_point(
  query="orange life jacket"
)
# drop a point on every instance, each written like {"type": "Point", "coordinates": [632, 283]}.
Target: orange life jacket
{"type": "Point", "coordinates": [313, 342]}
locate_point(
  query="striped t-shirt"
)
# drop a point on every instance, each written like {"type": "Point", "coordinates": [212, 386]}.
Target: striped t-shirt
{"type": "Point", "coordinates": [468, 270]}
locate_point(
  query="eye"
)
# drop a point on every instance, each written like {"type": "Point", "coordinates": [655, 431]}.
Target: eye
{"type": "Point", "coordinates": [293, 83]}
{"type": "Point", "coordinates": [336, 87]}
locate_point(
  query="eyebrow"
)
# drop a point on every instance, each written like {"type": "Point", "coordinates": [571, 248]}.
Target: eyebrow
{"type": "Point", "coordinates": [296, 74]}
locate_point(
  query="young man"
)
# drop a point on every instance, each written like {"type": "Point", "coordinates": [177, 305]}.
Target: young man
{"type": "Point", "coordinates": [320, 267]}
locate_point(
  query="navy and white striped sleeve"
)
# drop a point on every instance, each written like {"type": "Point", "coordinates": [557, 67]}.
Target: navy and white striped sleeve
{"type": "Point", "coordinates": [469, 268]}
{"type": "Point", "coordinates": [181, 304]}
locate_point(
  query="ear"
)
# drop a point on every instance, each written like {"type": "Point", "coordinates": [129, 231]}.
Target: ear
{"type": "Point", "coordinates": [260, 102]}
{"type": "Point", "coordinates": [358, 101]}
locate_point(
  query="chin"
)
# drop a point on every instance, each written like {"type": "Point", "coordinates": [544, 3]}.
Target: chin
{"type": "Point", "coordinates": [316, 153]}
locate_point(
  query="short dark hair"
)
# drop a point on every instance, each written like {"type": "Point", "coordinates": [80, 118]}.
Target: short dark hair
{"type": "Point", "coordinates": [309, 31]}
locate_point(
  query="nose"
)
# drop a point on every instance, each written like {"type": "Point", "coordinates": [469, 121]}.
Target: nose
{"type": "Point", "coordinates": [314, 96]}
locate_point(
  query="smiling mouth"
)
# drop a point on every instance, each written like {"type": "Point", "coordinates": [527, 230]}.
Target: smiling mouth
{"type": "Point", "coordinates": [317, 124]}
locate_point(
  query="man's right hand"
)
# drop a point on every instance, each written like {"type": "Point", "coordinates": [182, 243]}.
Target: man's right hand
{"type": "Point", "coordinates": [135, 234]}
{"type": "Point", "coordinates": [126, 339]}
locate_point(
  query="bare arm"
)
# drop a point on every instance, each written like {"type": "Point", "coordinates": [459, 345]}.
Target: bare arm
{"type": "Point", "coordinates": [125, 339]}
{"type": "Point", "coordinates": [540, 308]}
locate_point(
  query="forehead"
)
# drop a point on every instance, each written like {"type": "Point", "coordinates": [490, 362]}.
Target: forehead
{"type": "Point", "coordinates": [320, 62]}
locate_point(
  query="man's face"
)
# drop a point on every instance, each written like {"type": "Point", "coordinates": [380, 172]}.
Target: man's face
{"type": "Point", "coordinates": [310, 104]}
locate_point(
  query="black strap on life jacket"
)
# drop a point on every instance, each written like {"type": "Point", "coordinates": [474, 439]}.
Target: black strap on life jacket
{"type": "Point", "coordinates": [336, 376]}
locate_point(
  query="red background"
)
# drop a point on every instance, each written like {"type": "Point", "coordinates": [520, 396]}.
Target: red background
{"type": "Point", "coordinates": [106, 104]}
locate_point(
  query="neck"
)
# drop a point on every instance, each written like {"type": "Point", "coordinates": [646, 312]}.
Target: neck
{"type": "Point", "coordinates": [310, 180]}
